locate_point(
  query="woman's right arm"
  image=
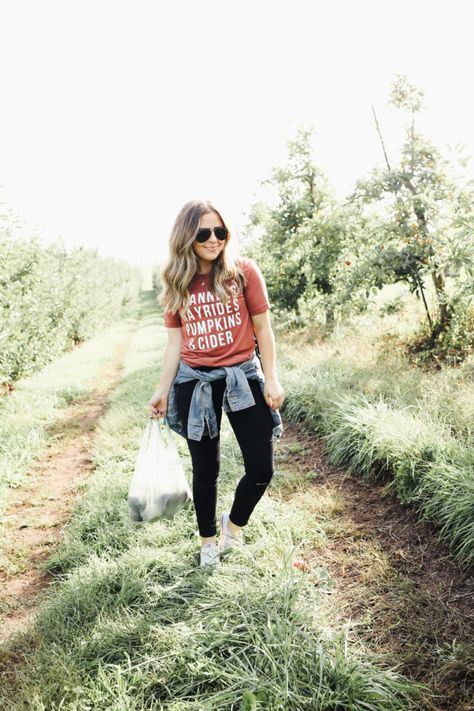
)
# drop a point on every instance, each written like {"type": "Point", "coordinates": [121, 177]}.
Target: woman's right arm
{"type": "Point", "coordinates": [158, 403]}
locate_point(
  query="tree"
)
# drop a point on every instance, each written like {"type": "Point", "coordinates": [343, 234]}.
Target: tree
{"type": "Point", "coordinates": [301, 235]}
{"type": "Point", "coordinates": [427, 230]}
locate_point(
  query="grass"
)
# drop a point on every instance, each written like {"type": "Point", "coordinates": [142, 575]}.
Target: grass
{"type": "Point", "coordinates": [131, 622]}
{"type": "Point", "coordinates": [379, 414]}
{"type": "Point", "coordinates": [31, 410]}
{"type": "Point", "coordinates": [403, 600]}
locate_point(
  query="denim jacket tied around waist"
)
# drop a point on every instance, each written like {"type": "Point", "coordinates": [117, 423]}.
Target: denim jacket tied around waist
{"type": "Point", "coordinates": [237, 396]}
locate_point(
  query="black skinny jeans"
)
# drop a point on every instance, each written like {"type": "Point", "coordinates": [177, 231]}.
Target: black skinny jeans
{"type": "Point", "coordinates": [253, 428]}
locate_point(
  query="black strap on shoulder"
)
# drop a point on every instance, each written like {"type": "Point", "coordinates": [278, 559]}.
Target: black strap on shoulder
{"type": "Point", "coordinates": [257, 350]}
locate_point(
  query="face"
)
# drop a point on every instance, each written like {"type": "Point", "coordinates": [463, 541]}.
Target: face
{"type": "Point", "coordinates": [209, 250]}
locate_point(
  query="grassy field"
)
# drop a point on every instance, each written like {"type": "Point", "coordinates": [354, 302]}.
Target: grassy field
{"type": "Point", "coordinates": [30, 411]}
{"type": "Point", "coordinates": [131, 622]}
{"type": "Point", "coordinates": [380, 414]}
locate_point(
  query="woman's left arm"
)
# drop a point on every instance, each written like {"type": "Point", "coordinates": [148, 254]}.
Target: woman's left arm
{"type": "Point", "coordinates": [273, 391]}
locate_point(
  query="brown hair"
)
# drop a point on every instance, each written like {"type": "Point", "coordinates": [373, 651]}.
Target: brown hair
{"type": "Point", "coordinates": [183, 263]}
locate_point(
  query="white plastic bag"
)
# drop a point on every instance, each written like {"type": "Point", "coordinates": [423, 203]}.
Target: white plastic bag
{"type": "Point", "coordinates": [158, 486]}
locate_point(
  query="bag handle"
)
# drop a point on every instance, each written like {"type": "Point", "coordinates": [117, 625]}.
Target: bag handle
{"type": "Point", "coordinates": [154, 429]}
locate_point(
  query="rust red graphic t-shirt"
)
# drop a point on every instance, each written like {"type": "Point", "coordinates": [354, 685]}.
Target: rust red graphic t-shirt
{"type": "Point", "coordinates": [218, 334]}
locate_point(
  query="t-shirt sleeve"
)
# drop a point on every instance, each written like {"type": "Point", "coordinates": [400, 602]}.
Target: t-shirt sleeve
{"type": "Point", "coordinates": [172, 320]}
{"type": "Point", "coordinates": [256, 294]}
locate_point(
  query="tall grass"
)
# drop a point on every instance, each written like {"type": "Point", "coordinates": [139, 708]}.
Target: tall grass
{"type": "Point", "coordinates": [38, 401]}
{"type": "Point", "coordinates": [378, 414]}
{"type": "Point", "coordinates": [132, 622]}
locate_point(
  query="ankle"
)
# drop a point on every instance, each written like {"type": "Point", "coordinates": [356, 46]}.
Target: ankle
{"type": "Point", "coordinates": [234, 530]}
{"type": "Point", "coordinates": [210, 539]}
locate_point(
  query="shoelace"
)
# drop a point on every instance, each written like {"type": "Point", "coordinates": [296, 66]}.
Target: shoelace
{"type": "Point", "coordinates": [229, 539]}
{"type": "Point", "coordinates": [209, 550]}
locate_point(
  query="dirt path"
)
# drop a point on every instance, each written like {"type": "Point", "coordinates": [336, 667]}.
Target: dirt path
{"type": "Point", "coordinates": [38, 510]}
{"type": "Point", "coordinates": [402, 588]}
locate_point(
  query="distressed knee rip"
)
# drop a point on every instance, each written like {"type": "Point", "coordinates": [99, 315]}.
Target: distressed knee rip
{"type": "Point", "coordinates": [258, 476]}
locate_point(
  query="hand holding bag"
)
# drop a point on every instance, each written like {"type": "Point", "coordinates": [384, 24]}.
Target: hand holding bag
{"type": "Point", "coordinates": [158, 486]}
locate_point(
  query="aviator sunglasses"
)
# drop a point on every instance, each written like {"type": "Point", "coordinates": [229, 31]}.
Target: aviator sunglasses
{"type": "Point", "coordinates": [205, 232]}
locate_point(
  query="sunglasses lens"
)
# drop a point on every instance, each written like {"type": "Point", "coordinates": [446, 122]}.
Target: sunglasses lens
{"type": "Point", "coordinates": [221, 233]}
{"type": "Point", "coordinates": [203, 235]}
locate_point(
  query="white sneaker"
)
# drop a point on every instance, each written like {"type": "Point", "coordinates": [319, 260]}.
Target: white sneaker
{"type": "Point", "coordinates": [209, 554]}
{"type": "Point", "coordinates": [227, 539]}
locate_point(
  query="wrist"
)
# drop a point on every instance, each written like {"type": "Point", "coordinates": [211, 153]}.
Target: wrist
{"type": "Point", "coordinates": [271, 378]}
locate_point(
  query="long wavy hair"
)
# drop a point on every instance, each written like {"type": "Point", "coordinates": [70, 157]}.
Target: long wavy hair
{"type": "Point", "coordinates": [183, 263]}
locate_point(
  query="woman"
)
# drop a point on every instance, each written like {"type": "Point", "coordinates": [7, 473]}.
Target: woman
{"type": "Point", "coordinates": [214, 305]}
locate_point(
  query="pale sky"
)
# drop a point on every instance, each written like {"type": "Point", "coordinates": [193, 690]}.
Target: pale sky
{"type": "Point", "coordinates": [116, 112]}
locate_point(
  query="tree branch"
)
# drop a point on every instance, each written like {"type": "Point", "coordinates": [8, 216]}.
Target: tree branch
{"type": "Point", "coordinates": [381, 139]}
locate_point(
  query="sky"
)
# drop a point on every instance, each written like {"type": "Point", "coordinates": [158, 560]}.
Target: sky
{"type": "Point", "coordinates": [115, 113]}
